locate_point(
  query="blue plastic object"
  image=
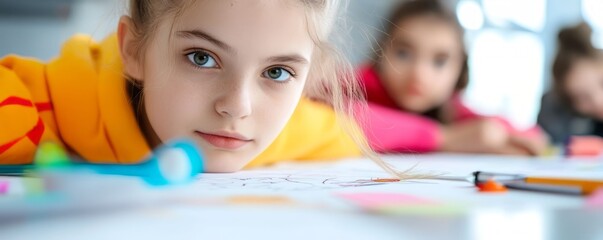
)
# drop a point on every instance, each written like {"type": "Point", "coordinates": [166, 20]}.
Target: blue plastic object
{"type": "Point", "coordinates": [173, 163]}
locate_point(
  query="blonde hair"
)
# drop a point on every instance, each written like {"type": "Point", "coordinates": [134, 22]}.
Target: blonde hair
{"type": "Point", "coordinates": [332, 77]}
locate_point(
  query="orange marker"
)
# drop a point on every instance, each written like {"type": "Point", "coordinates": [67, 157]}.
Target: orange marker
{"type": "Point", "coordinates": [586, 186]}
{"type": "Point", "coordinates": [491, 186]}
{"type": "Point", "coordinates": [539, 184]}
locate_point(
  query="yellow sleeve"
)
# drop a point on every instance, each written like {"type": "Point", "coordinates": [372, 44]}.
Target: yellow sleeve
{"type": "Point", "coordinates": [77, 100]}
{"type": "Point", "coordinates": [26, 114]}
{"type": "Point", "coordinates": [312, 133]}
{"type": "Point", "coordinates": [92, 109]}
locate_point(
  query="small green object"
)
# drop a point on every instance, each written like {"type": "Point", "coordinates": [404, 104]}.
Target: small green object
{"type": "Point", "coordinates": [51, 154]}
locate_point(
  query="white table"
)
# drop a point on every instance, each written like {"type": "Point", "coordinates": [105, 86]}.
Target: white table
{"type": "Point", "coordinates": [301, 201]}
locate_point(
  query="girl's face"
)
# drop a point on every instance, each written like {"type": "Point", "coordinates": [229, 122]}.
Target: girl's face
{"type": "Point", "coordinates": [584, 85]}
{"type": "Point", "coordinates": [421, 63]}
{"type": "Point", "coordinates": [227, 74]}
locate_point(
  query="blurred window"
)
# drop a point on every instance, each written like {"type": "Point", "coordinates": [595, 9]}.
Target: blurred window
{"type": "Point", "coordinates": [506, 57]}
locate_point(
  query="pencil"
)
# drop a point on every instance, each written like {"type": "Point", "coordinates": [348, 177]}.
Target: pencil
{"type": "Point", "coordinates": [588, 186]}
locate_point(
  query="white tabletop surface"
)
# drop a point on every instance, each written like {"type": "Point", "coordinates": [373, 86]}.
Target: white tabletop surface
{"type": "Point", "coordinates": [304, 201]}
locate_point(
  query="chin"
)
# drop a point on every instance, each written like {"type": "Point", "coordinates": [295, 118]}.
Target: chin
{"type": "Point", "coordinates": [223, 162]}
{"type": "Point", "coordinates": [599, 117]}
{"type": "Point", "coordinates": [406, 102]}
{"type": "Point", "coordinates": [412, 105]}
{"type": "Point", "coordinates": [218, 167]}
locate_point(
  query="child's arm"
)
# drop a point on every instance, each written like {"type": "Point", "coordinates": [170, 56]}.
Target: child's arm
{"type": "Point", "coordinates": [78, 99]}
{"type": "Point", "coordinates": [25, 110]}
{"type": "Point", "coordinates": [463, 113]}
{"type": "Point", "coordinates": [496, 133]}
{"type": "Point", "coordinates": [391, 130]}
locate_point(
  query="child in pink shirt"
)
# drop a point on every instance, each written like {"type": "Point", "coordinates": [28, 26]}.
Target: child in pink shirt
{"type": "Point", "coordinates": [413, 89]}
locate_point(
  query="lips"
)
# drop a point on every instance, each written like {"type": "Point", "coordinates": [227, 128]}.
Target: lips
{"type": "Point", "coordinates": [225, 140]}
{"type": "Point", "coordinates": [414, 91]}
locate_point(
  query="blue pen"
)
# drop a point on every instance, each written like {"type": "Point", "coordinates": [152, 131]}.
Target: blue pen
{"type": "Point", "coordinates": [173, 163]}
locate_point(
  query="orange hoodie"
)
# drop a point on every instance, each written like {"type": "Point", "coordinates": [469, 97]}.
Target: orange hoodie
{"type": "Point", "coordinates": [79, 99]}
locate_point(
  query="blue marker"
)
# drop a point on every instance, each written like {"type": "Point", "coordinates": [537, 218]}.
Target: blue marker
{"type": "Point", "coordinates": [173, 163]}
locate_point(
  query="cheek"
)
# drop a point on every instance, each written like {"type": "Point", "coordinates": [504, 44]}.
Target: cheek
{"type": "Point", "coordinates": [445, 81]}
{"type": "Point", "coordinates": [171, 104]}
{"type": "Point", "coordinates": [274, 109]}
{"type": "Point", "coordinates": [439, 90]}
{"type": "Point", "coordinates": [393, 76]}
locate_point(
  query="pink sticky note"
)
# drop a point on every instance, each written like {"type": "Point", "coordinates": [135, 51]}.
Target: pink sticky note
{"type": "Point", "coordinates": [4, 187]}
{"type": "Point", "coordinates": [375, 200]}
{"type": "Point", "coordinates": [596, 199]}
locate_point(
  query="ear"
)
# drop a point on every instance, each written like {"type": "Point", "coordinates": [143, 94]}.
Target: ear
{"type": "Point", "coordinates": [128, 48]}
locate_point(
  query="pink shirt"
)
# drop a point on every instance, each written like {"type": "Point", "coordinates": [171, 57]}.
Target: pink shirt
{"type": "Point", "coordinates": [391, 129]}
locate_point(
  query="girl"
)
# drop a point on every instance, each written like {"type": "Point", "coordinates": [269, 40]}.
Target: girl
{"type": "Point", "coordinates": [234, 76]}
{"type": "Point", "coordinates": [574, 106]}
{"type": "Point", "coordinates": [413, 89]}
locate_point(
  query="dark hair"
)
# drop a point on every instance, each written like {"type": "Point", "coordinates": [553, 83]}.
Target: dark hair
{"type": "Point", "coordinates": [573, 44]}
{"type": "Point", "coordinates": [436, 8]}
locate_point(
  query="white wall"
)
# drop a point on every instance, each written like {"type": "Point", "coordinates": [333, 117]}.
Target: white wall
{"type": "Point", "coordinates": [365, 19]}
{"type": "Point", "coordinates": [42, 37]}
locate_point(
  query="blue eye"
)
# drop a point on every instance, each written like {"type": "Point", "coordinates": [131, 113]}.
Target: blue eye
{"type": "Point", "coordinates": [439, 63]}
{"type": "Point", "coordinates": [278, 74]}
{"type": "Point", "coordinates": [402, 54]}
{"type": "Point", "coordinates": [202, 59]}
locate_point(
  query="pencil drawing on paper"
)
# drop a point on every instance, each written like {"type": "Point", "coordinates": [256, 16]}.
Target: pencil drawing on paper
{"type": "Point", "coordinates": [283, 181]}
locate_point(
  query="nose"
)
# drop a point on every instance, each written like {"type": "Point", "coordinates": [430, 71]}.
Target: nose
{"type": "Point", "coordinates": [235, 101]}
{"type": "Point", "coordinates": [419, 72]}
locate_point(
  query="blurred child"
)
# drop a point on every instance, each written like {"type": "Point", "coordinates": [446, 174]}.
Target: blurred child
{"type": "Point", "coordinates": [234, 76]}
{"type": "Point", "coordinates": [574, 106]}
{"type": "Point", "coordinates": [413, 89]}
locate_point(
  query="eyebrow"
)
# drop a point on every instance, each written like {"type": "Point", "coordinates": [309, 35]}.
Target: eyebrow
{"type": "Point", "coordinates": [294, 58]}
{"type": "Point", "coordinates": [198, 34]}
{"type": "Point", "coordinates": [401, 43]}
